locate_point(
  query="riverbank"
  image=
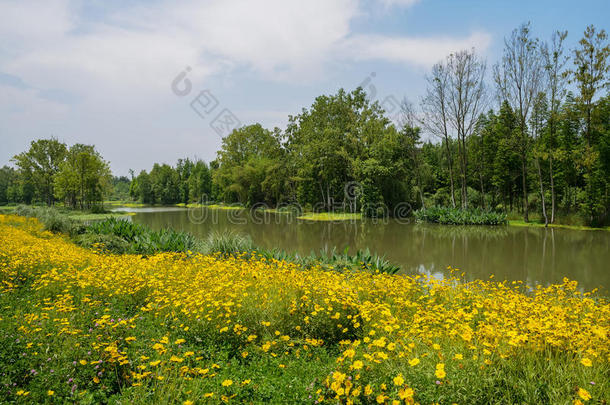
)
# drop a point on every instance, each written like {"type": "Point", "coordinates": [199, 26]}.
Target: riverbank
{"type": "Point", "coordinates": [113, 235]}
{"type": "Point", "coordinates": [77, 215]}
{"type": "Point", "coordinates": [521, 223]}
{"type": "Point", "coordinates": [346, 216]}
{"type": "Point", "coordinates": [195, 328]}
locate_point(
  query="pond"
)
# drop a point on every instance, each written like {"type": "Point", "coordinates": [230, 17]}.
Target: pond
{"type": "Point", "coordinates": [534, 255]}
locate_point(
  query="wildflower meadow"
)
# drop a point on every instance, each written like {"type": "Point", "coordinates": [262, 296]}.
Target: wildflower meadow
{"type": "Point", "coordinates": [79, 325]}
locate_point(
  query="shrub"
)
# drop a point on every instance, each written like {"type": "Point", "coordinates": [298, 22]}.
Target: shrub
{"type": "Point", "coordinates": [104, 243]}
{"type": "Point", "coordinates": [456, 216]}
{"type": "Point", "coordinates": [52, 219]}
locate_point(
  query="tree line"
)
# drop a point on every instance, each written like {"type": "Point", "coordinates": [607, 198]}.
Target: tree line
{"type": "Point", "coordinates": [50, 171]}
{"type": "Point", "coordinates": [529, 134]}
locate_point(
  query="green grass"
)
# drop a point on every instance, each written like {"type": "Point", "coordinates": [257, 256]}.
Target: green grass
{"type": "Point", "coordinates": [536, 224]}
{"type": "Point", "coordinates": [129, 204]}
{"type": "Point", "coordinates": [85, 216]}
{"type": "Point", "coordinates": [210, 206]}
{"type": "Point", "coordinates": [7, 209]}
{"type": "Point", "coordinates": [330, 216]}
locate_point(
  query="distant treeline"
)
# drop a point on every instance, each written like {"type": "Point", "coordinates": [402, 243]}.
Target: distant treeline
{"type": "Point", "coordinates": [537, 139]}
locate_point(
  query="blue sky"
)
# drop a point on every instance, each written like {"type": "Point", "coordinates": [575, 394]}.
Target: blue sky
{"type": "Point", "coordinates": [101, 72]}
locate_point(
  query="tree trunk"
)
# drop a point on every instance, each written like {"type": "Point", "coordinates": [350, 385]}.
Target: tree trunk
{"type": "Point", "coordinates": [524, 184]}
{"type": "Point", "coordinates": [552, 189]}
{"type": "Point", "coordinates": [546, 220]}
{"type": "Point", "coordinates": [484, 204]}
{"type": "Point", "coordinates": [450, 171]}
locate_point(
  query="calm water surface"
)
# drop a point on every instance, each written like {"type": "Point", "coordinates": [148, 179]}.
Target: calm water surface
{"type": "Point", "coordinates": [534, 255]}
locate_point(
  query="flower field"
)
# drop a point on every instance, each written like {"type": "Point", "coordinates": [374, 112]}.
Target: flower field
{"type": "Point", "coordinates": [80, 326]}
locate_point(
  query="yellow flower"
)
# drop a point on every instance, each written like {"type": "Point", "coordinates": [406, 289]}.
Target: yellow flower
{"type": "Point", "coordinates": [82, 362]}
{"type": "Point", "coordinates": [357, 365]}
{"type": "Point", "coordinates": [406, 393]}
{"type": "Point", "coordinates": [176, 359]}
{"type": "Point", "coordinates": [155, 363]}
{"type": "Point", "coordinates": [440, 371]}
{"type": "Point", "coordinates": [399, 380]}
{"type": "Point", "coordinates": [130, 339]}
{"type": "Point", "coordinates": [458, 356]}
{"type": "Point", "coordinates": [584, 394]}
{"type": "Point", "coordinates": [380, 398]}
{"type": "Point", "coordinates": [50, 393]}
{"type": "Point", "coordinates": [227, 383]}
{"type": "Point", "coordinates": [586, 362]}
{"type": "Point", "coordinates": [179, 341]}
{"type": "Point", "coordinates": [188, 402]}
{"type": "Point", "coordinates": [96, 380]}
{"type": "Point", "coordinates": [414, 362]}
{"type": "Point", "coordinates": [368, 390]}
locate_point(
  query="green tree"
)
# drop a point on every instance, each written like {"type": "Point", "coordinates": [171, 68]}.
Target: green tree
{"type": "Point", "coordinates": [590, 75]}
{"type": "Point", "coordinates": [247, 165]}
{"type": "Point", "coordinates": [83, 178]}
{"type": "Point", "coordinates": [518, 78]}
{"type": "Point", "coordinates": [555, 61]}
{"type": "Point", "coordinates": [141, 188]}
{"type": "Point", "coordinates": [165, 184]}
{"type": "Point", "coordinates": [200, 182]}
{"type": "Point", "coordinates": [39, 165]}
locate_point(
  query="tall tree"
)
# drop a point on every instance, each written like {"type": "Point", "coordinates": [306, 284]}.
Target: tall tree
{"type": "Point", "coordinates": [435, 111]}
{"type": "Point", "coordinates": [556, 80]}
{"type": "Point", "coordinates": [83, 178]}
{"type": "Point", "coordinates": [591, 67]}
{"type": "Point", "coordinates": [538, 125]}
{"type": "Point", "coordinates": [247, 161]}
{"type": "Point", "coordinates": [41, 163]}
{"type": "Point", "coordinates": [466, 102]}
{"type": "Point", "coordinates": [518, 78]}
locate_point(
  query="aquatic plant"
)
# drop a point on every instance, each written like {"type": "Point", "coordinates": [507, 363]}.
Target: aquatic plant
{"type": "Point", "coordinates": [457, 216]}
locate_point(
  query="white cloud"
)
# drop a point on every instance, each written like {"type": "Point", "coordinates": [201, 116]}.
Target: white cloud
{"type": "Point", "coordinates": [423, 52]}
{"type": "Point", "coordinates": [141, 49]}
{"type": "Point", "coordinates": [399, 3]}
{"type": "Point", "coordinates": [119, 64]}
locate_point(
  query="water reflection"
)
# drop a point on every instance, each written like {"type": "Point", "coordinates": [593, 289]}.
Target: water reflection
{"type": "Point", "coordinates": [534, 255]}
